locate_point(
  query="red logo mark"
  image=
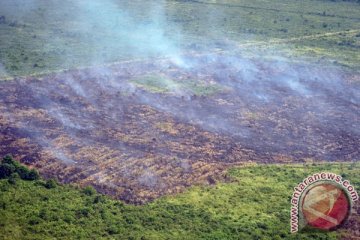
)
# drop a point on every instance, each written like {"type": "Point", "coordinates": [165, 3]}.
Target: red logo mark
{"type": "Point", "coordinates": [325, 206]}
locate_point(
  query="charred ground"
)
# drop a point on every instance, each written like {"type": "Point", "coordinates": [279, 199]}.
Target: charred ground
{"type": "Point", "coordinates": [138, 140]}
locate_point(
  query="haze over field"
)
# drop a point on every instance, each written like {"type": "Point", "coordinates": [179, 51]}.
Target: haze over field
{"type": "Point", "coordinates": [265, 105]}
{"type": "Point", "coordinates": [145, 99]}
{"type": "Point", "coordinates": [39, 35]}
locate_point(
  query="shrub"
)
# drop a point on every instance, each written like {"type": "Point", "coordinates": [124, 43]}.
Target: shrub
{"type": "Point", "coordinates": [99, 199]}
{"type": "Point", "coordinates": [113, 229]}
{"type": "Point", "coordinates": [6, 170]}
{"type": "Point", "coordinates": [23, 172]}
{"type": "Point", "coordinates": [89, 190]}
{"type": "Point", "coordinates": [32, 175]}
{"type": "Point", "coordinates": [34, 220]}
{"type": "Point", "coordinates": [9, 166]}
{"type": "Point", "coordinates": [13, 178]}
{"type": "Point", "coordinates": [9, 160]}
{"type": "Point", "coordinates": [51, 183]}
{"type": "Point", "coordinates": [84, 212]}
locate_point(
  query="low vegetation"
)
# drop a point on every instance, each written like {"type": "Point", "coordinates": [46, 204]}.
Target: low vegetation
{"type": "Point", "coordinates": [254, 204]}
{"type": "Point", "coordinates": [32, 45]}
{"type": "Point", "coordinates": [162, 84]}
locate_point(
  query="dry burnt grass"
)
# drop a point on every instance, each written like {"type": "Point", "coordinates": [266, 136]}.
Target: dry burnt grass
{"type": "Point", "coordinates": [352, 226]}
{"type": "Point", "coordinates": [99, 127]}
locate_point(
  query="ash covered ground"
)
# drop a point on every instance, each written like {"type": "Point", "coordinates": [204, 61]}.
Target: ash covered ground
{"type": "Point", "coordinates": [139, 130]}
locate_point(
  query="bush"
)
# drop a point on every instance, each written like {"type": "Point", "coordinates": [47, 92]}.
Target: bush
{"type": "Point", "coordinates": [51, 183]}
{"type": "Point", "coordinates": [9, 160]}
{"type": "Point", "coordinates": [113, 229]}
{"type": "Point", "coordinates": [32, 175]}
{"type": "Point", "coordinates": [34, 220]}
{"type": "Point", "coordinates": [84, 212]}
{"type": "Point", "coordinates": [6, 170]}
{"type": "Point", "coordinates": [13, 178]}
{"type": "Point", "coordinates": [8, 166]}
{"type": "Point", "coordinates": [89, 190]}
{"type": "Point", "coordinates": [99, 199]}
{"type": "Point", "coordinates": [23, 172]}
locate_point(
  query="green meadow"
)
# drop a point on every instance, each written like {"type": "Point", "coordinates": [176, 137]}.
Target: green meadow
{"type": "Point", "coordinates": [55, 35]}
{"type": "Point", "coordinates": [163, 84]}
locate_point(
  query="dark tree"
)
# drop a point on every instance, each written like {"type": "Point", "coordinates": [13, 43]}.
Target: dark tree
{"type": "Point", "coordinates": [6, 170]}
{"type": "Point", "coordinates": [9, 160]}
{"type": "Point", "coordinates": [51, 183]}
{"type": "Point", "coordinates": [32, 175]}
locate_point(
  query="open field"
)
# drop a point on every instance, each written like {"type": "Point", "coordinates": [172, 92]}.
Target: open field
{"type": "Point", "coordinates": [253, 204]}
{"type": "Point", "coordinates": [52, 35]}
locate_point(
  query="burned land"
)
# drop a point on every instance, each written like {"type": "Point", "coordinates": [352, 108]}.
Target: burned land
{"type": "Point", "coordinates": [139, 130]}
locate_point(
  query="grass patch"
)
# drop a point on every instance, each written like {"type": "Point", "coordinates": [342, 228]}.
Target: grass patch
{"type": "Point", "coordinates": [163, 84]}
{"type": "Point", "coordinates": [156, 84]}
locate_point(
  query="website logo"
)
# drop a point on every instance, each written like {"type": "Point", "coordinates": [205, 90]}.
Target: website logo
{"type": "Point", "coordinates": [323, 201]}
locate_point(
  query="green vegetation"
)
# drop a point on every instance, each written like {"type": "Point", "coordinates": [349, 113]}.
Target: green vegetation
{"type": "Point", "coordinates": [254, 205]}
{"type": "Point", "coordinates": [162, 84]}
{"type": "Point", "coordinates": [55, 35]}
{"type": "Point", "coordinates": [156, 84]}
{"type": "Point", "coordinates": [12, 170]}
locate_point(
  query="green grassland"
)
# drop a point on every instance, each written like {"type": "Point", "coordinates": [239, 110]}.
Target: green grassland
{"type": "Point", "coordinates": [253, 204]}
{"type": "Point", "coordinates": [163, 84]}
{"type": "Point", "coordinates": [53, 35]}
